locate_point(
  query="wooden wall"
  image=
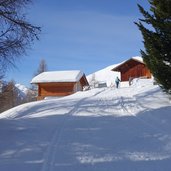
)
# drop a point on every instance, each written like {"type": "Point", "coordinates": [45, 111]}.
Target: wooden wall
{"type": "Point", "coordinates": [83, 81]}
{"type": "Point", "coordinates": [133, 69]}
{"type": "Point", "coordinates": [136, 71]}
{"type": "Point", "coordinates": [55, 89]}
{"type": "Point", "coordinates": [60, 88]}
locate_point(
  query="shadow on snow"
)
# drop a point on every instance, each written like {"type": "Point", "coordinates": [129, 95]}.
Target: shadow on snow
{"type": "Point", "coordinates": [141, 142]}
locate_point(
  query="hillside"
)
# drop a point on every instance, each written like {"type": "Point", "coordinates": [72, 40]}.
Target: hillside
{"type": "Point", "coordinates": [104, 75]}
{"type": "Point", "coordinates": [96, 130]}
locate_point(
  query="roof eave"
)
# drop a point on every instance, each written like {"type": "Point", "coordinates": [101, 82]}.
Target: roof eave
{"type": "Point", "coordinates": [117, 67]}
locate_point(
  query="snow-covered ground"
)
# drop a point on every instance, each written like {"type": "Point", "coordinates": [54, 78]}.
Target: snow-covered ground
{"type": "Point", "coordinates": [105, 129]}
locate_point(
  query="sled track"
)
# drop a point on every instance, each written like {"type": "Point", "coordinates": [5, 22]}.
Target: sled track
{"type": "Point", "coordinates": [50, 154]}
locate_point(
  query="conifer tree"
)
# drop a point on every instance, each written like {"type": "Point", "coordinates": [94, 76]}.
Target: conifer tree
{"type": "Point", "coordinates": [156, 31]}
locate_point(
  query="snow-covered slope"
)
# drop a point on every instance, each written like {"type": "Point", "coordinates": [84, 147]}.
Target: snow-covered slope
{"type": "Point", "coordinates": [104, 75]}
{"type": "Point", "coordinates": [101, 129]}
{"type": "Point", "coordinates": [22, 90]}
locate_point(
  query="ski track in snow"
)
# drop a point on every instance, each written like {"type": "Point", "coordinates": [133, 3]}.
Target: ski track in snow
{"type": "Point", "coordinates": [133, 105]}
{"type": "Point", "coordinates": [49, 156]}
{"type": "Point", "coordinates": [100, 102]}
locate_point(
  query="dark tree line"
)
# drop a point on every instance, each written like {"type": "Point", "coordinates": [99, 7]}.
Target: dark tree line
{"type": "Point", "coordinates": [157, 40]}
{"type": "Point", "coordinates": [11, 96]}
{"type": "Point", "coordinates": [8, 94]}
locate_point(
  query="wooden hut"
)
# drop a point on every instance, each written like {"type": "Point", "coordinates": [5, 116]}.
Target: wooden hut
{"type": "Point", "coordinates": [133, 68]}
{"type": "Point", "coordinates": [59, 83]}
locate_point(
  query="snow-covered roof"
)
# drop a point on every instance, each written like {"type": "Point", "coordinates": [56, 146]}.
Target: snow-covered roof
{"type": "Point", "coordinates": [58, 76]}
{"type": "Point", "coordinates": [138, 58]}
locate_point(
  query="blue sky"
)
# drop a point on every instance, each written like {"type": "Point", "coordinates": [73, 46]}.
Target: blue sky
{"type": "Point", "coordinates": [87, 35]}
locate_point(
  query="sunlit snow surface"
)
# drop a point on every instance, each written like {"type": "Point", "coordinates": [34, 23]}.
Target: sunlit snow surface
{"type": "Point", "coordinates": [103, 129]}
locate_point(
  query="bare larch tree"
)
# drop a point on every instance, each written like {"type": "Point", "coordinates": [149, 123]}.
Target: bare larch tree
{"type": "Point", "coordinates": [16, 34]}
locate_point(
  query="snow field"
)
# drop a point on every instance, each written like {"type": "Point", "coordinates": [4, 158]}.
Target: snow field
{"type": "Point", "coordinates": [97, 130]}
